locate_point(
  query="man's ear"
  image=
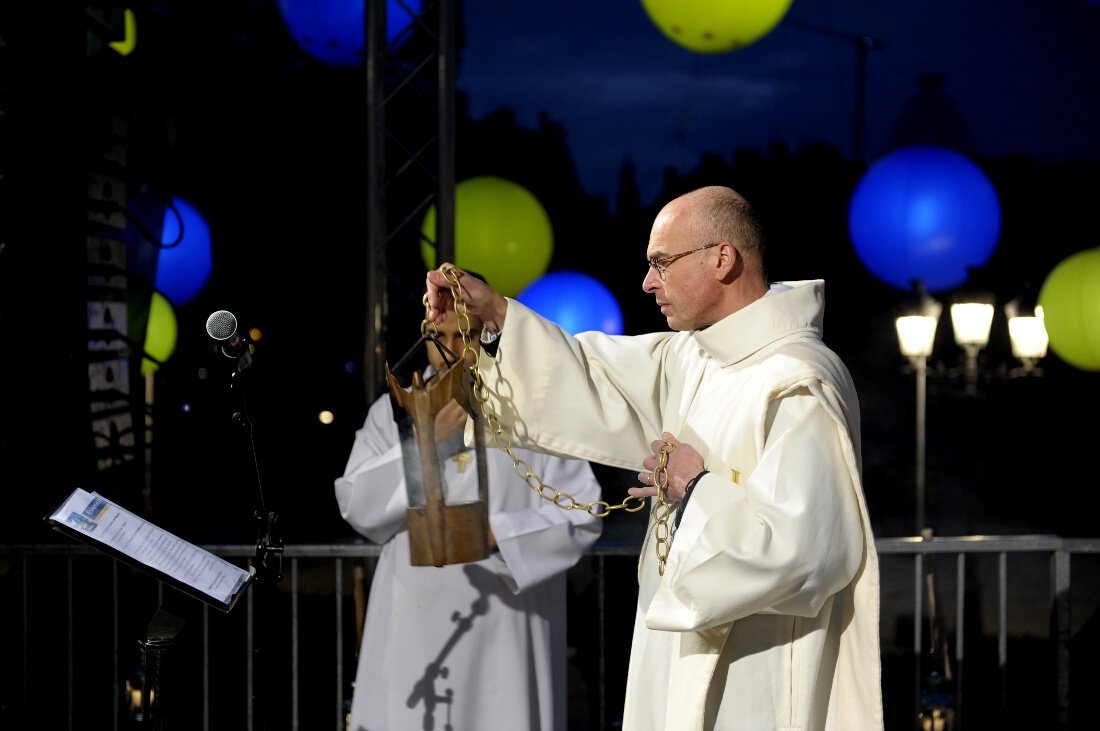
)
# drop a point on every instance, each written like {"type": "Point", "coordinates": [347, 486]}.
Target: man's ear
{"type": "Point", "coordinates": [729, 262]}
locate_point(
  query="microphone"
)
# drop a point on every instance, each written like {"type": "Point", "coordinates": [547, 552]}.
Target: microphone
{"type": "Point", "coordinates": [222, 327]}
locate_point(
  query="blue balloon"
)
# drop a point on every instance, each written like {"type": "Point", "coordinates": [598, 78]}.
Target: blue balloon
{"type": "Point", "coordinates": [575, 301]}
{"type": "Point", "coordinates": [924, 212]}
{"type": "Point", "coordinates": [184, 264]}
{"type": "Point", "coordinates": [333, 31]}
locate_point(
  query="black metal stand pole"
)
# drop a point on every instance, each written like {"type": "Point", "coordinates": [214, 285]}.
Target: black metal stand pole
{"type": "Point", "coordinates": [269, 545]}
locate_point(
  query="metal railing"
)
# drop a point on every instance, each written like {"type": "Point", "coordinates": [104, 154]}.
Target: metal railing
{"type": "Point", "coordinates": [74, 623]}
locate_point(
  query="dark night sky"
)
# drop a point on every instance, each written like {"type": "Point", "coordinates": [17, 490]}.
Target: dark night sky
{"type": "Point", "coordinates": [1024, 76]}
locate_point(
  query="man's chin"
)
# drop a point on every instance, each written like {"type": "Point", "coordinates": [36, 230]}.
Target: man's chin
{"type": "Point", "coordinates": [670, 318]}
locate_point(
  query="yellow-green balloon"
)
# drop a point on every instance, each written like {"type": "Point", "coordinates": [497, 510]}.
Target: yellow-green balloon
{"type": "Point", "coordinates": [1070, 298]}
{"type": "Point", "coordinates": [160, 333]}
{"type": "Point", "coordinates": [502, 232]}
{"type": "Point", "coordinates": [715, 26]}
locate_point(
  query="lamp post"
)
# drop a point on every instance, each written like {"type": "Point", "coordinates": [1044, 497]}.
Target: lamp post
{"type": "Point", "coordinates": [916, 335]}
{"type": "Point", "coordinates": [971, 322]}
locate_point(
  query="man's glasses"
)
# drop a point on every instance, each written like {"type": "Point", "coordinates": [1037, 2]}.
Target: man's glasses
{"type": "Point", "coordinates": [662, 265]}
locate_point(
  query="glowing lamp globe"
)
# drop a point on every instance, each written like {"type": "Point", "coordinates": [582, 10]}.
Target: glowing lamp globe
{"type": "Point", "coordinates": [184, 260]}
{"type": "Point", "coordinates": [502, 232]}
{"type": "Point", "coordinates": [332, 31]}
{"type": "Point", "coordinates": [1070, 298]}
{"type": "Point", "coordinates": [715, 26]}
{"type": "Point", "coordinates": [575, 301]}
{"type": "Point", "coordinates": [160, 333]}
{"type": "Point", "coordinates": [924, 212]}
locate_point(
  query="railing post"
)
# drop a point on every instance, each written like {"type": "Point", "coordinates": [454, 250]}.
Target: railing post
{"type": "Point", "coordinates": [1061, 630]}
{"type": "Point", "coordinates": [960, 636]}
{"type": "Point", "coordinates": [338, 569]}
{"type": "Point", "coordinates": [918, 621]}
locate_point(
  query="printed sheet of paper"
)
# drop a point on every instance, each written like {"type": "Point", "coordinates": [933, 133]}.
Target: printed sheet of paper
{"type": "Point", "coordinates": [104, 522]}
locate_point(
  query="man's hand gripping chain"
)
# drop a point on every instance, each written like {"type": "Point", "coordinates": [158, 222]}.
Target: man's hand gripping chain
{"type": "Point", "coordinates": [501, 439]}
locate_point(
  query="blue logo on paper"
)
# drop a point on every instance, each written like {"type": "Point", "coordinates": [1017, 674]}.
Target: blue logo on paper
{"type": "Point", "coordinates": [95, 507]}
{"type": "Point", "coordinates": [81, 522]}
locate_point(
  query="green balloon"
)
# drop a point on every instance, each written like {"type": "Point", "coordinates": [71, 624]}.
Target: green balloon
{"type": "Point", "coordinates": [160, 333]}
{"type": "Point", "coordinates": [1070, 298]}
{"type": "Point", "coordinates": [715, 26]}
{"type": "Point", "coordinates": [502, 233]}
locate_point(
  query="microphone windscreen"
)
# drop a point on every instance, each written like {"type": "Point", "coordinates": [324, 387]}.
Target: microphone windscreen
{"type": "Point", "coordinates": [221, 325]}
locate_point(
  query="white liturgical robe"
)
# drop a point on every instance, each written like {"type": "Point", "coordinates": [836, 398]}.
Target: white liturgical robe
{"type": "Point", "coordinates": [470, 646]}
{"type": "Point", "coordinates": [766, 615]}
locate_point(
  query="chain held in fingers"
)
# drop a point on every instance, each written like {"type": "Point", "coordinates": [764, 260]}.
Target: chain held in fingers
{"type": "Point", "coordinates": [662, 509]}
{"type": "Point", "coordinates": [471, 353]}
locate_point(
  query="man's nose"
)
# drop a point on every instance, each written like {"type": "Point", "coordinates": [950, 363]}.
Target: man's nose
{"type": "Point", "coordinates": [651, 281]}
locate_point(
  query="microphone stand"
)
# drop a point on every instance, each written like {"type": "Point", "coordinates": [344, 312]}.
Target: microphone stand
{"type": "Point", "coordinates": [223, 327]}
{"type": "Point", "coordinates": [269, 545]}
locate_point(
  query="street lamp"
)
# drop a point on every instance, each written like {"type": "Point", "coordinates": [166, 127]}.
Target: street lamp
{"type": "Point", "coordinates": [971, 321]}
{"type": "Point", "coordinates": [1028, 334]}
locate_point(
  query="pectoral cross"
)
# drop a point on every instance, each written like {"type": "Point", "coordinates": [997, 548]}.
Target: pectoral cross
{"type": "Point", "coordinates": [462, 459]}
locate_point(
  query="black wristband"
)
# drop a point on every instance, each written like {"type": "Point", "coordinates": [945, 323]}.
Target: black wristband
{"type": "Point", "coordinates": [687, 494]}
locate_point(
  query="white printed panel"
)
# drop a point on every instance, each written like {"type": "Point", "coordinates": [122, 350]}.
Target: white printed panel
{"type": "Point", "coordinates": [109, 384]}
{"type": "Point", "coordinates": [107, 326]}
{"type": "Point", "coordinates": [106, 263]}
